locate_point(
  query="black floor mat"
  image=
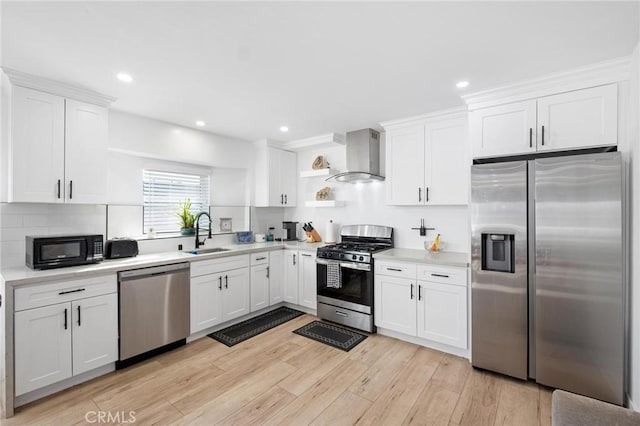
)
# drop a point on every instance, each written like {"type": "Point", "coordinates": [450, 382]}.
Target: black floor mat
{"type": "Point", "coordinates": [244, 330]}
{"type": "Point", "coordinates": [331, 335]}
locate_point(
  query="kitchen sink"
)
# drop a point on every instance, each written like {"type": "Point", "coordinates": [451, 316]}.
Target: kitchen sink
{"type": "Point", "coordinates": [208, 250]}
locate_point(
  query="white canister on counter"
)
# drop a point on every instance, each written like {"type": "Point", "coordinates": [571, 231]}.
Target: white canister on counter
{"type": "Point", "coordinates": [331, 235]}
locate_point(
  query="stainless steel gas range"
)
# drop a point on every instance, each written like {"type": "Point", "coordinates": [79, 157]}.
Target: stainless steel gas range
{"type": "Point", "coordinates": [345, 275]}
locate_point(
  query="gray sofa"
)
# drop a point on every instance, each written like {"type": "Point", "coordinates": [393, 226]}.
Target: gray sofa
{"type": "Point", "coordinates": [569, 409]}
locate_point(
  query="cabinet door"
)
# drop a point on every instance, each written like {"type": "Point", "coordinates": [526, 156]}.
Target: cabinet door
{"type": "Point", "coordinates": [291, 276]}
{"type": "Point", "coordinates": [503, 130]}
{"type": "Point", "coordinates": [405, 166]}
{"type": "Point", "coordinates": [259, 287]}
{"type": "Point", "coordinates": [395, 302]}
{"type": "Point", "coordinates": [236, 294]}
{"type": "Point", "coordinates": [42, 347]}
{"type": "Point", "coordinates": [36, 149]}
{"type": "Point", "coordinates": [206, 301]}
{"type": "Point", "coordinates": [446, 162]}
{"type": "Point", "coordinates": [276, 277]}
{"type": "Point", "coordinates": [289, 177]}
{"type": "Point", "coordinates": [442, 313]}
{"type": "Point", "coordinates": [579, 119]}
{"type": "Point", "coordinates": [276, 196]}
{"type": "Point", "coordinates": [85, 153]}
{"type": "Point", "coordinates": [95, 332]}
{"type": "Point", "coordinates": [307, 288]}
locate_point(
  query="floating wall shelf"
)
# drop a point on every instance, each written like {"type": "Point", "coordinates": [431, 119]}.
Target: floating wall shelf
{"type": "Point", "coordinates": [316, 173]}
{"type": "Point", "coordinates": [327, 203]}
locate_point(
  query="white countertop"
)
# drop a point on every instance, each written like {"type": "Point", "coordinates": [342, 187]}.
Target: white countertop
{"type": "Point", "coordinates": [22, 275]}
{"type": "Point", "coordinates": [445, 258]}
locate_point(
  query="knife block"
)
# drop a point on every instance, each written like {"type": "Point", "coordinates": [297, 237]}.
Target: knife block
{"type": "Point", "coordinates": [313, 237]}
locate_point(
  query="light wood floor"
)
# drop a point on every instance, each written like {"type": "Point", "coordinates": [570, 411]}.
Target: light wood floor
{"type": "Point", "coordinates": [281, 378]}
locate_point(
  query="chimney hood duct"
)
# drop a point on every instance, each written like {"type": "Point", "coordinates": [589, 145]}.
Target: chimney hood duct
{"type": "Point", "coordinates": [363, 157]}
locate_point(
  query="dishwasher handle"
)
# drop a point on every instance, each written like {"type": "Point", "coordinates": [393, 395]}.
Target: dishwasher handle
{"type": "Point", "coordinates": [153, 271]}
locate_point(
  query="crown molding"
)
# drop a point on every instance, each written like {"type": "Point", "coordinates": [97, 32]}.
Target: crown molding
{"type": "Point", "coordinates": [58, 88]}
{"type": "Point", "coordinates": [322, 141]}
{"type": "Point", "coordinates": [447, 114]}
{"type": "Point", "coordinates": [598, 74]}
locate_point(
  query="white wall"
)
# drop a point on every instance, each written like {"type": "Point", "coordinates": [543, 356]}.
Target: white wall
{"type": "Point", "coordinates": [366, 204]}
{"type": "Point", "coordinates": [634, 230]}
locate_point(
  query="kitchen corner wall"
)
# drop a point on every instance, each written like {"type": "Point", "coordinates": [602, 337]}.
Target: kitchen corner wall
{"type": "Point", "coordinates": [365, 203]}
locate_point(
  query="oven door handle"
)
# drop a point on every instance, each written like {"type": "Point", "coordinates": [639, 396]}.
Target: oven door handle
{"type": "Point", "coordinates": [348, 265]}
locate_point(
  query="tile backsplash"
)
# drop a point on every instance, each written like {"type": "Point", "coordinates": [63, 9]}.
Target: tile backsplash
{"type": "Point", "coordinates": [19, 220]}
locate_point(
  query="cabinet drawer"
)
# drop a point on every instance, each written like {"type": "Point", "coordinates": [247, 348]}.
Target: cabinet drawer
{"type": "Point", "coordinates": [206, 267]}
{"type": "Point", "coordinates": [259, 258]}
{"type": "Point", "coordinates": [442, 274]}
{"type": "Point", "coordinates": [37, 295]}
{"type": "Point", "coordinates": [396, 269]}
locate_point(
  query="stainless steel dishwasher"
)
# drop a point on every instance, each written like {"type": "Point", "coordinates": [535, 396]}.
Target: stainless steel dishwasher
{"type": "Point", "coordinates": [154, 308]}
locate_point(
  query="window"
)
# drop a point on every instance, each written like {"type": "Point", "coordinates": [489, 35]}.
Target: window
{"type": "Point", "coordinates": [162, 191]}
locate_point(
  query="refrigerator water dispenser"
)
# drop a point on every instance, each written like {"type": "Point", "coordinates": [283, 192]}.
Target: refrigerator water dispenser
{"type": "Point", "coordinates": [498, 252]}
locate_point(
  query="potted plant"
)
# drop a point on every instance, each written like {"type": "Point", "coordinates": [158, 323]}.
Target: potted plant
{"type": "Point", "coordinates": [187, 219]}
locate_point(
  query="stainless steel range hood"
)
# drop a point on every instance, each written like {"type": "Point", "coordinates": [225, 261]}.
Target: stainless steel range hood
{"type": "Point", "coordinates": [363, 157]}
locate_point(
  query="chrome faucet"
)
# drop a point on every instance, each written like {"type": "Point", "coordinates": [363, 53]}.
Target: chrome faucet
{"type": "Point", "coordinates": [197, 220]}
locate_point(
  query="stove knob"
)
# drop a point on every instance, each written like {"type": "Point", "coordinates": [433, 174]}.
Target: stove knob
{"type": "Point", "coordinates": [361, 258]}
{"type": "Point", "coordinates": [354, 257]}
{"type": "Point", "coordinates": [342, 256]}
{"type": "Point", "coordinates": [329, 254]}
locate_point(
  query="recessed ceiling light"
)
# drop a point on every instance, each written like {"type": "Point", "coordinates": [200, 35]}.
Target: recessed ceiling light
{"type": "Point", "coordinates": [125, 77]}
{"type": "Point", "coordinates": [462, 84]}
{"type": "Point", "coordinates": [200, 123]}
{"type": "Point", "coordinates": [284, 129]}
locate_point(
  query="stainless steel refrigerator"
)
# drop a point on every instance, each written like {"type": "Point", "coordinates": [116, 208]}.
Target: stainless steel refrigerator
{"type": "Point", "coordinates": [547, 272]}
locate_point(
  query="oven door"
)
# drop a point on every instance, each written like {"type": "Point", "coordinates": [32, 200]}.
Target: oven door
{"type": "Point", "coordinates": [355, 288]}
{"type": "Point", "coordinates": [51, 252]}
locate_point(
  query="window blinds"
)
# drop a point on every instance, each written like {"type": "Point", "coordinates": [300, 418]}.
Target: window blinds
{"type": "Point", "coordinates": [162, 191]}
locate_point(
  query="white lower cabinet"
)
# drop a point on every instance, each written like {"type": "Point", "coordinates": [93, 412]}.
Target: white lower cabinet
{"type": "Point", "coordinates": [442, 313]}
{"type": "Point", "coordinates": [260, 296]}
{"type": "Point", "coordinates": [395, 305]}
{"type": "Point", "coordinates": [57, 341]}
{"type": "Point", "coordinates": [236, 294]}
{"type": "Point", "coordinates": [95, 332]}
{"type": "Point", "coordinates": [276, 277]}
{"type": "Point", "coordinates": [307, 288]}
{"type": "Point", "coordinates": [434, 309]}
{"type": "Point", "coordinates": [42, 347]}
{"type": "Point", "coordinates": [206, 301]}
{"type": "Point", "coordinates": [291, 259]}
{"type": "Point", "coordinates": [220, 291]}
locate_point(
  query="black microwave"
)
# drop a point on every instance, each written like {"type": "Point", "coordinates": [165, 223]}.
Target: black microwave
{"type": "Point", "coordinates": [44, 252]}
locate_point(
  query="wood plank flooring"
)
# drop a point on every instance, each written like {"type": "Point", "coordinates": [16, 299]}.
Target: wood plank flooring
{"type": "Point", "coordinates": [282, 378]}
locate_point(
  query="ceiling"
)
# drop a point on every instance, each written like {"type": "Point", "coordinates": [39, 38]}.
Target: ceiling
{"type": "Point", "coordinates": [248, 68]}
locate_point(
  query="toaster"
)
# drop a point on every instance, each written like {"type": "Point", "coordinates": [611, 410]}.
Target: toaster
{"type": "Point", "coordinates": [121, 247]}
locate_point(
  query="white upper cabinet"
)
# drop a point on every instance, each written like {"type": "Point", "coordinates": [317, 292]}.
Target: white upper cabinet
{"type": "Point", "coordinates": [36, 144]}
{"type": "Point", "coordinates": [447, 180]}
{"type": "Point", "coordinates": [275, 176]}
{"type": "Point", "coordinates": [504, 130]}
{"type": "Point", "coordinates": [427, 161]}
{"type": "Point", "coordinates": [57, 147]}
{"type": "Point", "coordinates": [85, 153]}
{"type": "Point", "coordinates": [578, 119]}
{"type": "Point", "coordinates": [405, 165]}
